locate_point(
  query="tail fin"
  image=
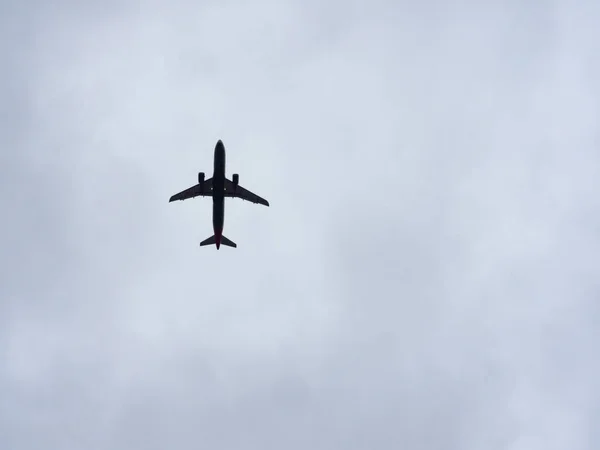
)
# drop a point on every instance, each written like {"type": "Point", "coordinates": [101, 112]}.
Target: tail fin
{"type": "Point", "coordinates": [212, 240]}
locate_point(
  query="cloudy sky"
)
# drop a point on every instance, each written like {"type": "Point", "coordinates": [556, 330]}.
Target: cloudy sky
{"type": "Point", "coordinates": [425, 278]}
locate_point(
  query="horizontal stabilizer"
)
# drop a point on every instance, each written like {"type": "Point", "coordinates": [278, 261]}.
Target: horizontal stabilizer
{"type": "Point", "coordinates": [210, 241]}
{"type": "Point", "coordinates": [213, 240]}
{"type": "Point", "coordinates": [227, 242]}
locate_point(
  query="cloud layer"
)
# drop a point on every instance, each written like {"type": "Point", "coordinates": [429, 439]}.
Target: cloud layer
{"type": "Point", "coordinates": [424, 278]}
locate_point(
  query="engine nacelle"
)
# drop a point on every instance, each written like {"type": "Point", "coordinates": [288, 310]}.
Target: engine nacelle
{"type": "Point", "coordinates": [201, 178]}
{"type": "Point", "coordinates": [236, 179]}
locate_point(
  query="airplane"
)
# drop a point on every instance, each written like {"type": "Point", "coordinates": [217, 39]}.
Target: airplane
{"type": "Point", "coordinates": [218, 187]}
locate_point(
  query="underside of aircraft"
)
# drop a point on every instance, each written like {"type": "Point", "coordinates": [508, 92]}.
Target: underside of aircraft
{"type": "Point", "coordinates": [219, 187]}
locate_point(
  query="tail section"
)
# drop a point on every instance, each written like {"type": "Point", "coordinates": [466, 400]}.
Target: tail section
{"type": "Point", "coordinates": [213, 240]}
{"type": "Point", "coordinates": [210, 241]}
{"type": "Point", "coordinates": [227, 242]}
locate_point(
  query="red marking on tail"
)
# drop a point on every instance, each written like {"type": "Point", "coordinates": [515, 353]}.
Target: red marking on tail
{"type": "Point", "coordinates": [218, 234]}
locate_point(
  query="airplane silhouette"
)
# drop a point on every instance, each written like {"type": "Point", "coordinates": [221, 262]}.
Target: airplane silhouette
{"type": "Point", "coordinates": [218, 187]}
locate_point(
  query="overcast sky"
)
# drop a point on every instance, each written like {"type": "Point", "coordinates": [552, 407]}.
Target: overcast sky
{"type": "Point", "coordinates": [425, 278]}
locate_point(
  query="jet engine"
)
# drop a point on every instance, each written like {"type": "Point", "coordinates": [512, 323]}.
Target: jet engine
{"type": "Point", "coordinates": [201, 178]}
{"type": "Point", "coordinates": [236, 180]}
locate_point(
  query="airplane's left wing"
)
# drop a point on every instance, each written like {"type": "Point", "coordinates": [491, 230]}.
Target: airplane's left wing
{"type": "Point", "coordinates": [238, 191]}
{"type": "Point", "coordinates": [204, 189]}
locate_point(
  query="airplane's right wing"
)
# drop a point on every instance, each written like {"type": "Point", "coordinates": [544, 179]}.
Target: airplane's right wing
{"type": "Point", "coordinates": [195, 191]}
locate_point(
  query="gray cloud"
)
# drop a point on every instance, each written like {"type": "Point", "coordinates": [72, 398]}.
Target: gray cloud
{"type": "Point", "coordinates": [425, 276]}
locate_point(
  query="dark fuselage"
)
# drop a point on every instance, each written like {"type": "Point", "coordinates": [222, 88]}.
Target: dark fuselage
{"type": "Point", "coordinates": [219, 192]}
